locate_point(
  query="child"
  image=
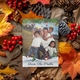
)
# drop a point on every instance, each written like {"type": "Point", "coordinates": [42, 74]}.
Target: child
{"type": "Point", "coordinates": [35, 44]}
{"type": "Point", "coordinates": [51, 50]}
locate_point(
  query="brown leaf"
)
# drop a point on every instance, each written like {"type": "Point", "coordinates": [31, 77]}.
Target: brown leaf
{"type": "Point", "coordinates": [33, 69]}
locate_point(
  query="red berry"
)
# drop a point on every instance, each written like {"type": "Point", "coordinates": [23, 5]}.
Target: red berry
{"type": "Point", "coordinates": [9, 42]}
{"type": "Point", "coordinates": [13, 42]}
{"type": "Point", "coordinates": [24, 5]}
{"type": "Point", "coordinates": [20, 37]}
{"type": "Point", "coordinates": [10, 49]}
{"type": "Point", "coordinates": [9, 5]}
{"type": "Point", "coordinates": [74, 37]}
{"type": "Point", "coordinates": [5, 48]}
{"type": "Point", "coordinates": [19, 3]}
{"type": "Point", "coordinates": [14, 7]}
{"type": "Point", "coordinates": [4, 43]}
{"type": "Point", "coordinates": [78, 31]}
{"type": "Point", "coordinates": [75, 33]}
{"type": "Point", "coordinates": [72, 33]}
{"type": "Point", "coordinates": [20, 42]}
{"type": "Point", "coordinates": [24, 1]}
{"type": "Point", "coordinates": [72, 28]}
{"type": "Point", "coordinates": [9, 2]}
{"type": "Point", "coordinates": [5, 40]}
{"type": "Point", "coordinates": [73, 25]}
{"type": "Point", "coordinates": [14, 2]}
{"type": "Point", "coordinates": [15, 38]}
{"type": "Point", "coordinates": [70, 38]}
{"type": "Point", "coordinates": [68, 35]}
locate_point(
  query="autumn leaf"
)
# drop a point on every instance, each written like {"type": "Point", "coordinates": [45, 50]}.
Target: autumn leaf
{"type": "Point", "coordinates": [60, 59]}
{"type": "Point", "coordinates": [3, 54]}
{"type": "Point", "coordinates": [5, 8]}
{"type": "Point", "coordinates": [72, 66]}
{"type": "Point", "coordinates": [5, 27]}
{"type": "Point", "coordinates": [42, 1]}
{"type": "Point", "coordinates": [30, 15]}
{"type": "Point", "coordinates": [8, 70]}
{"type": "Point", "coordinates": [65, 47]}
{"type": "Point", "coordinates": [1, 77]}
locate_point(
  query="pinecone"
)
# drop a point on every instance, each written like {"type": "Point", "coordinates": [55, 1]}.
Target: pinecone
{"type": "Point", "coordinates": [41, 76]}
{"type": "Point", "coordinates": [75, 45]}
{"type": "Point", "coordinates": [9, 77]}
{"type": "Point", "coordinates": [42, 10]}
{"type": "Point", "coordinates": [63, 28]}
{"type": "Point", "coordinates": [78, 39]}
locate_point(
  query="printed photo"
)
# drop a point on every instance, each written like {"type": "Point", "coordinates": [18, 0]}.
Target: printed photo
{"type": "Point", "coordinates": [40, 43]}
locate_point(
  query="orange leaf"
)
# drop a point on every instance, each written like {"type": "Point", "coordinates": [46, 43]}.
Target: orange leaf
{"type": "Point", "coordinates": [30, 15]}
{"type": "Point", "coordinates": [3, 54]}
{"type": "Point", "coordinates": [42, 1]}
{"type": "Point", "coordinates": [72, 67]}
{"type": "Point", "coordinates": [60, 60]}
{"type": "Point", "coordinates": [5, 27]}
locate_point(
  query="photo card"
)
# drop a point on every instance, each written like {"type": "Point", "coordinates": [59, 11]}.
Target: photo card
{"type": "Point", "coordinates": [40, 43]}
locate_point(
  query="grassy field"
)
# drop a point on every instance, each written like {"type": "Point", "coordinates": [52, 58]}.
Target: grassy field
{"type": "Point", "coordinates": [27, 40]}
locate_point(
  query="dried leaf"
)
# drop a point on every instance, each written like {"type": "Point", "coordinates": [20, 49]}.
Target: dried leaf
{"type": "Point", "coordinates": [42, 1]}
{"type": "Point", "coordinates": [5, 27]}
{"type": "Point", "coordinates": [5, 8]}
{"type": "Point", "coordinates": [2, 53]}
{"type": "Point", "coordinates": [8, 70]}
{"type": "Point", "coordinates": [30, 15]}
{"type": "Point", "coordinates": [72, 67]}
{"type": "Point", "coordinates": [65, 47]}
{"type": "Point", "coordinates": [33, 69]}
{"type": "Point", "coordinates": [1, 77]}
{"type": "Point", "coordinates": [17, 29]}
{"type": "Point", "coordinates": [60, 60]}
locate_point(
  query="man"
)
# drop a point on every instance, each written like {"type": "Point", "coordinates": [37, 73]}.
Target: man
{"type": "Point", "coordinates": [44, 42]}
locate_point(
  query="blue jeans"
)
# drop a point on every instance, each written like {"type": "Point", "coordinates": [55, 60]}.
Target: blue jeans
{"type": "Point", "coordinates": [43, 51]}
{"type": "Point", "coordinates": [34, 51]}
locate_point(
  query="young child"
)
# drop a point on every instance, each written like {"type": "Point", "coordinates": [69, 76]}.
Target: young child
{"type": "Point", "coordinates": [51, 50]}
{"type": "Point", "coordinates": [35, 44]}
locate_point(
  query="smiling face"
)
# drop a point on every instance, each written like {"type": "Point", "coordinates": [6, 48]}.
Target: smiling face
{"type": "Point", "coordinates": [52, 44]}
{"type": "Point", "coordinates": [50, 30]}
{"type": "Point", "coordinates": [45, 32]}
{"type": "Point", "coordinates": [36, 34]}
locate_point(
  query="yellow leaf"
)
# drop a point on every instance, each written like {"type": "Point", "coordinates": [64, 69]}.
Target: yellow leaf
{"type": "Point", "coordinates": [64, 47]}
{"type": "Point", "coordinates": [5, 8]}
{"type": "Point", "coordinates": [8, 70]}
{"type": "Point", "coordinates": [1, 77]}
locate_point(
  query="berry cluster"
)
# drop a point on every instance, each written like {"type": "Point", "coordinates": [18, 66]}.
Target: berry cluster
{"type": "Point", "coordinates": [17, 4]}
{"type": "Point", "coordinates": [75, 31]}
{"type": "Point", "coordinates": [10, 45]}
